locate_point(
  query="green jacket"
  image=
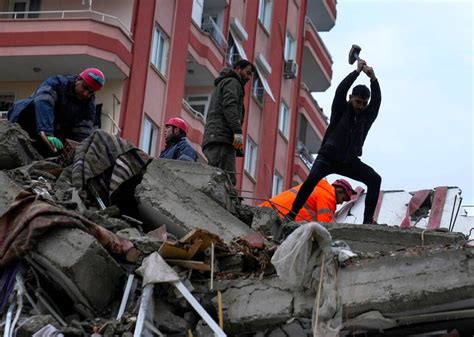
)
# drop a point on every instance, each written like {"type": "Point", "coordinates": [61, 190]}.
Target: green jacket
{"type": "Point", "coordinates": [226, 109]}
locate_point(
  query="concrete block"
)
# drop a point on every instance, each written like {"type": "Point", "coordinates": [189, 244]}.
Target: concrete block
{"type": "Point", "coordinates": [165, 195]}
{"type": "Point", "coordinates": [264, 219]}
{"type": "Point", "coordinates": [166, 321]}
{"type": "Point", "coordinates": [15, 146]}
{"type": "Point", "coordinates": [415, 281]}
{"type": "Point", "coordinates": [8, 192]}
{"type": "Point", "coordinates": [32, 324]}
{"type": "Point", "coordinates": [77, 262]}
{"type": "Point", "coordinates": [208, 179]}
{"type": "Point", "coordinates": [251, 305]}
{"type": "Point", "coordinates": [374, 238]}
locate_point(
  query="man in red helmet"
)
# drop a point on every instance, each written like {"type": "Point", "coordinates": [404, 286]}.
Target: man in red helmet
{"type": "Point", "coordinates": [320, 205]}
{"type": "Point", "coordinates": [63, 107]}
{"type": "Point", "coordinates": [177, 146]}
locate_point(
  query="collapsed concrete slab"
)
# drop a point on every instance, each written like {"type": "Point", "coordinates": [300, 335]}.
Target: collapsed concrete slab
{"type": "Point", "coordinates": [375, 238]}
{"type": "Point", "coordinates": [420, 280]}
{"type": "Point", "coordinates": [165, 198]}
{"type": "Point", "coordinates": [8, 192]}
{"type": "Point", "coordinates": [15, 146]}
{"type": "Point", "coordinates": [210, 180]}
{"type": "Point", "coordinates": [78, 263]}
{"type": "Point", "coordinates": [414, 280]}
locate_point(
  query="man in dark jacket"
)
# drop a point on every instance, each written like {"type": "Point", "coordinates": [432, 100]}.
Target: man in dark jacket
{"type": "Point", "coordinates": [223, 131]}
{"type": "Point", "coordinates": [63, 107]}
{"type": "Point", "coordinates": [342, 144]}
{"type": "Point", "coordinates": [177, 146]}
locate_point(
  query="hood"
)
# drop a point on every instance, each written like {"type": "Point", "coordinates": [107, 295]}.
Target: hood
{"type": "Point", "coordinates": [225, 73]}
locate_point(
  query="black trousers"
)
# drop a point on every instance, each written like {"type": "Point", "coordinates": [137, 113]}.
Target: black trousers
{"type": "Point", "coordinates": [354, 169]}
{"type": "Point", "coordinates": [222, 155]}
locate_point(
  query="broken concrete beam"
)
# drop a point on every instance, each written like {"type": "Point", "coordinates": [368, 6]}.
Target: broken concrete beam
{"type": "Point", "coordinates": [8, 192]}
{"type": "Point", "coordinates": [15, 146]}
{"type": "Point", "coordinates": [373, 238]}
{"type": "Point", "coordinates": [414, 280]}
{"type": "Point", "coordinates": [162, 194]}
{"type": "Point", "coordinates": [418, 281]}
{"type": "Point", "coordinates": [77, 262]}
{"type": "Point", "coordinates": [208, 179]}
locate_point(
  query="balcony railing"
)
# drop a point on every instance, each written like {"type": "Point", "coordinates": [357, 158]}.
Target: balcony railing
{"type": "Point", "coordinates": [209, 25]}
{"type": "Point", "coordinates": [304, 154]}
{"type": "Point", "coordinates": [69, 14]}
{"type": "Point", "coordinates": [195, 113]}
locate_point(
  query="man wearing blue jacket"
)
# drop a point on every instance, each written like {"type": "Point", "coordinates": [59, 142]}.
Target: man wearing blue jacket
{"type": "Point", "coordinates": [177, 146]}
{"type": "Point", "coordinates": [63, 107]}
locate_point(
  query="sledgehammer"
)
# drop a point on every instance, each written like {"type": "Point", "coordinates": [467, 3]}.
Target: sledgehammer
{"type": "Point", "coordinates": [354, 54]}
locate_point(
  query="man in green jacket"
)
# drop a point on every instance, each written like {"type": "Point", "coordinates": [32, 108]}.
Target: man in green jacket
{"type": "Point", "coordinates": [223, 138]}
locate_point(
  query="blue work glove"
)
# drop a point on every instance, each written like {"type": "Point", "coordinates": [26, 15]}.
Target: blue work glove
{"type": "Point", "coordinates": [57, 143]}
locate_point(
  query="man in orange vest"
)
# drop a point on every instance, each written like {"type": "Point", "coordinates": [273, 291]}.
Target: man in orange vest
{"type": "Point", "coordinates": [321, 204]}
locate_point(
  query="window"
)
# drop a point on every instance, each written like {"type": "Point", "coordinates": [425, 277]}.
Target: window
{"type": "Point", "coordinates": [159, 55]}
{"type": "Point", "coordinates": [6, 101]}
{"type": "Point", "coordinates": [232, 54]}
{"type": "Point", "coordinates": [25, 6]}
{"type": "Point", "coordinates": [265, 13]}
{"type": "Point", "coordinates": [199, 104]}
{"type": "Point", "coordinates": [149, 136]}
{"type": "Point", "coordinates": [250, 164]}
{"type": "Point", "coordinates": [257, 88]}
{"type": "Point", "coordinates": [277, 184]}
{"type": "Point", "coordinates": [290, 47]}
{"type": "Point", "coordinates": [283, 124]}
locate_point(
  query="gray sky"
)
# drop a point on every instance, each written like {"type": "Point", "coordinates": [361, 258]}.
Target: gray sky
{"type": "Point", "coordinates": [422, 54]}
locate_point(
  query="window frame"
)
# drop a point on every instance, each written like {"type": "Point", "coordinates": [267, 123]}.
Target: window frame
{"type": "Point", "coordinates": [258, 91]}
{"type": "Point", "coordinates": [151, 143]}
{"type": "Point", "coordinates": [290, 47]}
{"type": "Point", "coordinates": [284, 121]}
{"type": "Point", "coordinates": [159, 50]}
{"type": "Point", "coordinates": [251, 154]}
{"type": "Point", "coordinates": [265, 9]}
{"type": "Point", "coordinates": [8, 103]}
{"type": "Point", "coordinates": [278, 183]}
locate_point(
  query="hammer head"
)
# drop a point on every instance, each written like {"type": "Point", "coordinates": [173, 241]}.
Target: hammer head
{"type": "Point", "coordinates": [354, 53]}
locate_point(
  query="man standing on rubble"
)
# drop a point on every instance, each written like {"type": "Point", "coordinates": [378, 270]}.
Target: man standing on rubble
{"type": "Point", "coordinates": [342, 144]}
{"type": "Point", "coordinates": [321, 204]}
{"type": "Point", "coordinates": [177, 146]}
{"type": "Point", "coordinates": [63, 107]}
{"type": "Point", "coordinates": [223, 139]}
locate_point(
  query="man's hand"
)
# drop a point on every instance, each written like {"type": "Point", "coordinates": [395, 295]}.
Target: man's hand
{"type": "Point", "coordinates": [369, 71]}
{"type": "Point", "coordinates": [58, 145]}
{"type": "Point", "coordinates": [361, 65]}
{"type": "Point", "coordinates": [238, 142]}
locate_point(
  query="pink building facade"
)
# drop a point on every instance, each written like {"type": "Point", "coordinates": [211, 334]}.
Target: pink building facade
{"type": "Point", "coordinates": [160, 58]}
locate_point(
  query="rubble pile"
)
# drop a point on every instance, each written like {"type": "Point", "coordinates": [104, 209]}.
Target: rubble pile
{"type": "Point", "coordinates": [158, 249]}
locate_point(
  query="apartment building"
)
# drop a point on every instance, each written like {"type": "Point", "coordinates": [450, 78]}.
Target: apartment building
{"type": "Point", "coordinates": [160, 58]}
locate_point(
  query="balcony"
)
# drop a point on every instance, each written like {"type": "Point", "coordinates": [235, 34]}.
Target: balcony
{"type": "Point", "coordinates": [312, 111]}
{"type": "Point", "coordinates": [40, 43]}
{"type": "Point", "coordinates": [317, 62]}
{"type": "Point", "coordinates": [322, 13]}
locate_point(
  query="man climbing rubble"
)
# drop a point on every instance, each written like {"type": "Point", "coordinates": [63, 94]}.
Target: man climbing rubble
{"type": "Point", "coordinates": [342, 144]}
{"type": "Point", "coordinates": [177, 146]}
{"type": "Point", "coordinates": [63, 107]}
{"type": "Point", "coordinates": [321, 204]}
{"type": "Point", "coordinates": [223, 139]}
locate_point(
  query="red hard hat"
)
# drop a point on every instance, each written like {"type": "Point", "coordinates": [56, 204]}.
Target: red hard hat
{"type": "Point", "coordinates": [345, 185]}
{"type": "Point", "coordinates": [179, 123]}
{"type": "Point", "coordinates": [93, 77]}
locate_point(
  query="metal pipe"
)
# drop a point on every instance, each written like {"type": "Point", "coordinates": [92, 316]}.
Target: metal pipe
{"type": "Point", "coordinates": [146, 295]}
{"type": "Point", "coordinates": [126, 294]}
{"type": "Point", "coordinates": [457, 212]}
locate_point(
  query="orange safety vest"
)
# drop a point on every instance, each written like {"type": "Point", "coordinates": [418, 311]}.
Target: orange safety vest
{"type": "Point", "coordinates": [320, 206]}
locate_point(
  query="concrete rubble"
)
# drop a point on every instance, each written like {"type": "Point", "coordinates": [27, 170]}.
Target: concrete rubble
{"type": "Point", "coordinates": [402, 282]}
